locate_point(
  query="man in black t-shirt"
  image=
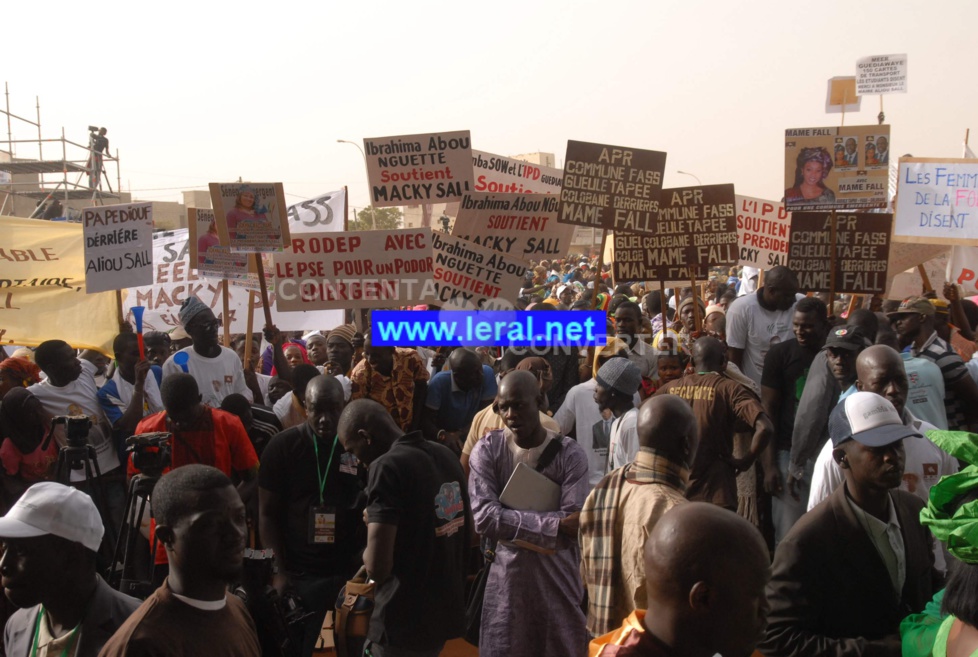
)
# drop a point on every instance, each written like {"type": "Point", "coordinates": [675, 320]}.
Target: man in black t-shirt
{"type": "Point", "coordinates": [310, 507]}
{"type": "Point", "coordinates": [418, 524]}
{"type": "Point", "coordinates": [782, 382]}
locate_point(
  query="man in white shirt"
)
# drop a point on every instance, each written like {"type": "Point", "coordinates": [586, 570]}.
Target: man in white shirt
{"type": "Point", "coordinates": [756, 321]}
{"type": "Point", "coordinates": [617, 382]}
{"type": "Point", "coordinates": [628, 327]}
{"type": "Point", "coordinates": [579, 413]}
{"type": "Point", "coordinates": [217, 369]}
{"type": "Point", "coordinates": [70, 389]}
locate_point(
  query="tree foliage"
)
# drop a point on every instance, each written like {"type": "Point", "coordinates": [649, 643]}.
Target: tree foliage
{"type": "Point", "coordinates": [386, 219]}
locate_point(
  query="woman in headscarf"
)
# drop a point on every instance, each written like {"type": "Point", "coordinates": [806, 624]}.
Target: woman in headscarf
{"type": "Point", "coordinates": [952, 516]}
{"type": "Point", "coordinates": [17, 373]}
{"type": "Point", "coordinates": [23, 427]}
{"type": "Point", "coordinates": [812, 167]}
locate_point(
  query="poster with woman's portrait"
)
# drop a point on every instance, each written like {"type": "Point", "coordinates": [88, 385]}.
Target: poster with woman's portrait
{"type": "Point", "coordinates": [841, 168]}
{"type": "Point", "coordinates": [209, 259]}
{"type": "Point", "coordinates": [251, 217]}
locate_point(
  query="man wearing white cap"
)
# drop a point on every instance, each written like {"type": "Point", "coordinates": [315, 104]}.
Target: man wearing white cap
{"type": "Point", "coordinates": [51, 536]}
{"type": "Point", "coordinates": [854, 566]}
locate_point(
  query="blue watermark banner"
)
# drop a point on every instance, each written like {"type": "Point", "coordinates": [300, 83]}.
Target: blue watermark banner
{"type": "Point", "coordinates": [488, 328]}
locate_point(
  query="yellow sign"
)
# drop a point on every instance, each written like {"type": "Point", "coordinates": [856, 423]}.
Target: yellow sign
{"type": "Point", "coordinates": [42, 288]}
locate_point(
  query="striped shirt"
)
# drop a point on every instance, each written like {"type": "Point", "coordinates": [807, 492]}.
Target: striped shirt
{"type": "Point", "coordinates": [953, 370]}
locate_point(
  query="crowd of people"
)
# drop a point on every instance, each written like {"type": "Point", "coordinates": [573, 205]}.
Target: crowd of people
{"type": "Point", "coordinates": [740, 467]}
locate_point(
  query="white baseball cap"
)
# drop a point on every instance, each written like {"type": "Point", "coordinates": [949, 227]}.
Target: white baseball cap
{"type": "Point", "coordinates": [51, 508]}
{"type": "Point", "coordinates": [869, 419]}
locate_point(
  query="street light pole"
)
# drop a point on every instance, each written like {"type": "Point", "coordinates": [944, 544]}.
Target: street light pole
{"type": "Point", "coordinates": [373, 212]}
{"type": "Point", "coordinates": [686, 173]}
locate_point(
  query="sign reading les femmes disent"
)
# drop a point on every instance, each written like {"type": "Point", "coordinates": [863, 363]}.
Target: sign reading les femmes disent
{"type": "Point", "coordinates": [696, 229]}
{"type": "Point", "coordinates": [937, 201]}
{"type": "Point", "coordinates": [862, 244]}
{"type": "Point", "coordinates": [522, 225]}
{"type": "Point", "coordinates": [762, 230]}
{"type": "Point", "coordinates": [118, 246]}
{"type": "Point", "coordinates": [359, 269]}
{"type": "Point", "coordinates": [611, 187]}
{"type": "Point", "coordinates": [416, 169]}
{"type": "Point", "coordinates": [471, 277]}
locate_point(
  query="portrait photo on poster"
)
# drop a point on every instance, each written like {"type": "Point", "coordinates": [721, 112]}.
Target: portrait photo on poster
{"type": "Point", "coordinates": [836, 168]}
{"type": "Point", "coordinates": [251, 217]}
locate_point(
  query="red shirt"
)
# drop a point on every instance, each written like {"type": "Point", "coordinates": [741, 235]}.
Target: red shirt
{"type": "Point", "coordinates": [219, 439]}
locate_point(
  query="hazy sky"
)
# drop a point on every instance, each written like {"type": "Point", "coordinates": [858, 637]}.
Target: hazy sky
{"type": "Point", "coordinates": [195, 92]}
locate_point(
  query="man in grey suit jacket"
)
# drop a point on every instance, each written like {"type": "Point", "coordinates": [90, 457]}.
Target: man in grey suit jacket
{"type": "Point", "coordinates": [859, 562]}
{"type": "Point", "coordinates": [51, 536]}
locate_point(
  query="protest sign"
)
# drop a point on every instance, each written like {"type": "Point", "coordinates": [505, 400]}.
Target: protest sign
{"type": "Point", "coordinates": [836, 168]}
{"type": "Point", "coordinates": [505, 175]}
{"type": "Point", "coordinates": [118, 246]}
{"type": "Point", "coordinates": [937, 201]}
{"type": "Point", "coordinates": [696, 229]}
{"type": "Point", "coordinates": [762, 232]}
{"type": "Point", "coordinates": [251, 217]}
{"type": "Point", "coordinates": [611, 187]}
{"type": "Point", "coordinates": [417, 169]}
{"type": "Point", "coordinates": [910, 283]}
{"type": "Point", "coordinates": [471, 277]}
{"type": "Point", "coordinates": [862, 246]}
{"type": "Point", "coordinates": [209, 258]}
{"type": "Point", "coordinates": [324, 213]}
{"type": "Point", "coordinates": [360, 269]}
{"type": "Point", "coordinates": [42, 274]}
{"type": "Point", "coordinates": [962, 268]}
{"type": "Point", "coordinates": [841, 96]}
{"type": "Point", "coordinates": [521, 225]}
{"type": "Point", "coordinates": [175, 280]}
{"type": "Point", "coordinates": [881, 74]}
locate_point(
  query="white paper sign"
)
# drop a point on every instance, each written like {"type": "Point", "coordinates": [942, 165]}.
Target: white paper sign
{"type": "Point", "coordinates": [937, 201]}
{"type": "Point", "coordinates": [470, 277]}
{"type": "Point", "coordinates": [118, 246]}
{"type": "Point", "coordinates": [416, 169]}
{"type": "Point", "coordinates": [521, 225]}
{"type": "Point", "coordinates": [762, 232]}
{"type": "Point", "coordinates": [881, 74]}
{"type": "Point", "coordinates": [359, 269]}
{"type": "Point", "coordinates": [174, 281]}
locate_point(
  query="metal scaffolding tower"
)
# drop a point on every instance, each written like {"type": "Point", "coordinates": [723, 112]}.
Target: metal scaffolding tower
{"type": "Point", "coordinates": [75, 173]}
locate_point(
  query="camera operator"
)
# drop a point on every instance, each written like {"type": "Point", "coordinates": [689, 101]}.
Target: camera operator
{"type": "Point", "coordinates": [201, 522]}
{"type": "Point", "coordinates": [310, 507]}
{"type": "Point", "coordinates": [201, 435]}
{"type": "Point", "coordinates": [51, 537]}
{"type": "Point", "coordinates": [70, 390]}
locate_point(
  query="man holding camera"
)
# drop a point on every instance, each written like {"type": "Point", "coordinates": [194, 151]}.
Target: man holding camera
{"type": "Point", "coordinates": [310, 507]}
{"type": "Point", "coordinates": [70, 390]}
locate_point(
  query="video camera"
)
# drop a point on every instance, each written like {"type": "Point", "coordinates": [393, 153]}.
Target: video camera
{"type": "Point", "coordinates": [93, 128]}
{"type": "Point", "coordinates": [76, 429]}
{"type": "Point", "coordinates": [151, 452]}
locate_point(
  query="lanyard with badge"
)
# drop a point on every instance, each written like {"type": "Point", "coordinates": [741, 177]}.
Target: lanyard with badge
{"type": "Point", "coordinates": [322, 518]}
{"type": "Point", "coordinates": [72, 637]}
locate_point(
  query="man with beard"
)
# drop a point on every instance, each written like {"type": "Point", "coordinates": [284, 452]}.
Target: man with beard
{"type": "Point", "coordinates": [50, 539]}
{"type": "Point", "coordinates": [853, 567]}
{"type": "Point", "coordinates": [200, 520]}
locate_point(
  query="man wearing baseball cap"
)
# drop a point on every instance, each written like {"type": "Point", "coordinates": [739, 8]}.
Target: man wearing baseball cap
{"type": "Point", "coordinates": [913, 322]}
{"type": "Point", "coordinates": [859, 562]}
{"type": "Point", "coordinates": [50, 537]}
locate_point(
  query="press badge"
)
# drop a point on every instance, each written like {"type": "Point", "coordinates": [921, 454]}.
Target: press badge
{"type": "Point", "coordinates": [322, 524]}
{"type": "Point", "coordinates": [348, 463]}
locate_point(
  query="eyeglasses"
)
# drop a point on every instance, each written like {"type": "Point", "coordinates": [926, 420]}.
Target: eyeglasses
{"type": "Point", "coordinates": [213, 324]}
